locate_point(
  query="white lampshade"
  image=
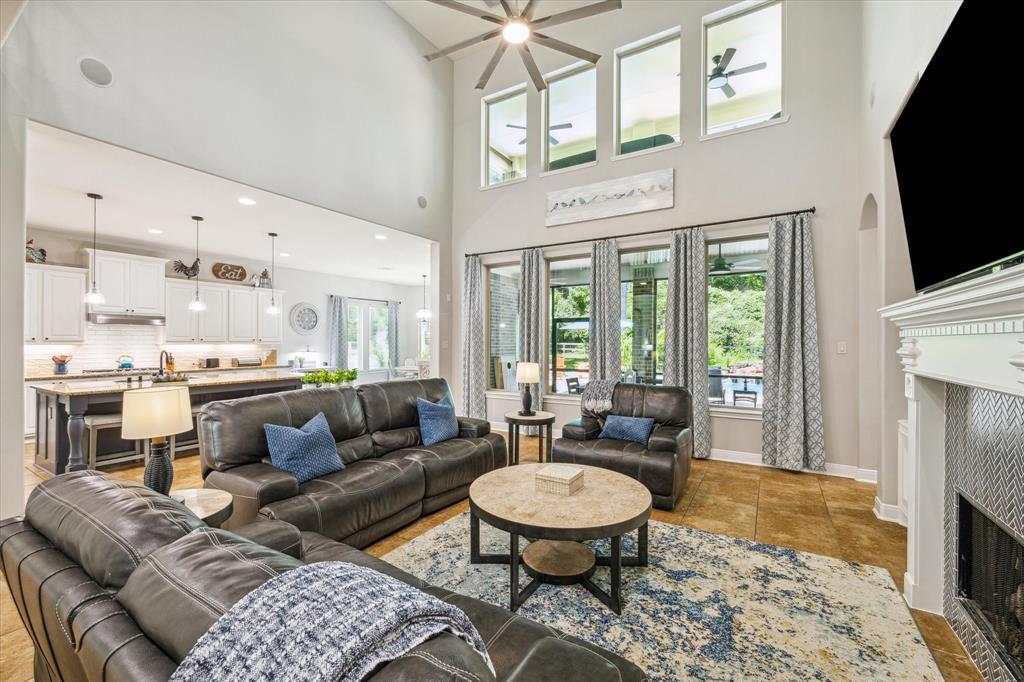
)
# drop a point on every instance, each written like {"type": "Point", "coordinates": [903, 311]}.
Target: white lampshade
{"type": "Point", "coordinates": [528, 373]}
{"type": "Point", "coordinates": [155, 412]}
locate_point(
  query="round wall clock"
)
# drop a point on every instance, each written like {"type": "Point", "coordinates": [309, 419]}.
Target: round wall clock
{"type": "Point", "coordinates": [305, 318]}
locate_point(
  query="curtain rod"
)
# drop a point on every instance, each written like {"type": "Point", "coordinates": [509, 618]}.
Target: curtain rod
{"type": "Point", "coordinates": [812, 209]}
{"type": "Point", "coordinates": [370, 300]}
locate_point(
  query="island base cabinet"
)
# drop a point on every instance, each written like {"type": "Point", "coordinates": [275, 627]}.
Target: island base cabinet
{"type": "Point", "coordinates": [51, 430]}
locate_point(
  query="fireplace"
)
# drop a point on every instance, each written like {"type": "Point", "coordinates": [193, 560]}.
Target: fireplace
{"type": "Point", "coordinates": [990, 582]}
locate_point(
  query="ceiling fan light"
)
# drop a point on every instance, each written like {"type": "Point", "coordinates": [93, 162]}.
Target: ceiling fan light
{"type": "Point", "coordinates": [515, 32]}
{"type": "Point", "coordinates": [717, 81]}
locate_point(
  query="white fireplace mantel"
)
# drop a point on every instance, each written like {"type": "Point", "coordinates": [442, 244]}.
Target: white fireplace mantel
{"type": "Point", "coordinates": [971, 334]}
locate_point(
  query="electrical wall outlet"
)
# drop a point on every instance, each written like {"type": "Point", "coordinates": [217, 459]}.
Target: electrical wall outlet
{"type": "Point", "coordinates": [841, 348]}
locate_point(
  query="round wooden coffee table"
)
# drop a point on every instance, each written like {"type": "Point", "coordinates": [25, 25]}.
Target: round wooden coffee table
{"type": "Point", "coordinates": [609, 506]}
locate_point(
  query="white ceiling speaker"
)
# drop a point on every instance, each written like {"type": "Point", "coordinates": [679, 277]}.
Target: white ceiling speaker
{"type": "Point", "coordinates": [96, 72]}
{"type": "Point", "coordinates": [422, 201]}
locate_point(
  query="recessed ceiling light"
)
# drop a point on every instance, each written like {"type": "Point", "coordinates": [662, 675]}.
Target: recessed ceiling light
{"type": "Point", "coordinates": [246, 201]}
{"type": "Point", "coordinates": [153, 230]}
{"type": "Point", "coordinates": [381, 237]}
{"type": "Point", "coordinates": [384, 267]}
{"type": "Point", "coordinates": [96, 72]}
{"type": "Point", "coordinates": [285, 255]}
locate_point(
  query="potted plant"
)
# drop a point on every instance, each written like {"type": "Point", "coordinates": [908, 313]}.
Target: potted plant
{"type": "Point", "coordinates": [299, 360]}
{"type": "Point", "coordinates": [327, 377]}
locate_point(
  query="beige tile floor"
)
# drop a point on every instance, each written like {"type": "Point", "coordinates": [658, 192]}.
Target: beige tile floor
{"type": "Point", "coordinates": [814, 513]}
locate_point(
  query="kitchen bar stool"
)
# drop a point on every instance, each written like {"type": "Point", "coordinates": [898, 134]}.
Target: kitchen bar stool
{"type": "Point", "coordinates": [94, 423]}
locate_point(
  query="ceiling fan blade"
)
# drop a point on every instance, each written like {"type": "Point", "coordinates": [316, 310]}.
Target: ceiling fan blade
{"type": "Point", "coordinates": [560, 126]}
{"type": "Point", "coordinates": [747, 69]}
{"type": "Point", "coordinates": [478, 13]}
{"type": "Point", "coordinates": [578, 13]}
{"type": "Point", "coordinates": [513, 125]}
{"type": "Point", "coordinates": [483, 37]}
{"type": "Point", "coordinates": [555, 44]}
{"type": "Point", "coordinates": [528, 11]}
{"type": "Point", "coordinates": [727, 56]}
{"type": "Point", "coordinates": [727, 89]}
{"type": "Point", "coordinates": [552, 140]}
{"type": "Point", "coordinates": [523, 141]}
{"type": "Point", "coordinates": [531, 67]}
{"type": "Point", "coordinates": [491, 65]}
{"type": "Point", "coordinates": [508, 10]}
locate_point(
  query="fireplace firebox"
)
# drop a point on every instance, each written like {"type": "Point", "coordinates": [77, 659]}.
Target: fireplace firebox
{"type": "Point", "coordinates": [990, 581]}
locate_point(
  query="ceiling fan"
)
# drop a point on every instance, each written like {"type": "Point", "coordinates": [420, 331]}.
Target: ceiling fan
{"type": "Point", "coordinates": [720, 266]}
{"type": "Point", "coordinates": [718, 79]}
{"type": "Point", "coordinates": [516, 28]}
{"type": "Point", "coordinates": [551, 138]}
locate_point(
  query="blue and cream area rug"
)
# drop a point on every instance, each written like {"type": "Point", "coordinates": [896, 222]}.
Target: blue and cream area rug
{"type": "Point", "coordinates": [708, 607]}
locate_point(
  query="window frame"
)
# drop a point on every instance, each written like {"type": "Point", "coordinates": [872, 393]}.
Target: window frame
{"type": "Point", "coordinates": [485, 134]}
{"type": "Point", "coordinates": [658, 282]}
{"type": "Point", "coordinates": [721, 16]}
{"type": "Point", "coordinates": [629, 50]}
{"type": "Point", "coordinates": [487, 321]}
{"type": "Point", "coordinates": [363, 333]}
{"type": "Point", "coordinates": [545, 117]}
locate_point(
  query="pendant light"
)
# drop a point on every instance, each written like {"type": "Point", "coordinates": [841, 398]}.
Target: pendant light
{"type": "Point", "coordinates": [196, 304]}
{"type": "Point", "coordinates": [424, 314]}
{"type": "Point", "coordinates": [93, 296]}
{"type": "Point", "coordinates": [272, 309]}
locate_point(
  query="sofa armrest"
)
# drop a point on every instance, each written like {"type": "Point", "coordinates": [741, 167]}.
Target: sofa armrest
{"type": "Point", "coordinates": [279, 535]}
{"type": "Point", "coordinates": [473, 428]}
{"type": "Point", "coordinates": [584, 428]}
{"type": "Point", "coordinates": [566, 661]}
{"type": "Point", "coordinates": [253, 486]}
{"type": "Point", "coordinates": [678, 439]}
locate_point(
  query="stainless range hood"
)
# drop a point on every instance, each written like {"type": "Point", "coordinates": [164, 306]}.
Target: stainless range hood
{"type": "Point", "coordinates": [125, 318]}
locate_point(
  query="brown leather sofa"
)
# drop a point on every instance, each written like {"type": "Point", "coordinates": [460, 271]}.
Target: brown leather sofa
{"type": "Point", "coordinates": [115, 583]}
{"type": "Point", "coordinates": [390, 479]}
{"type": "Point", "coordinates": [663, 465]}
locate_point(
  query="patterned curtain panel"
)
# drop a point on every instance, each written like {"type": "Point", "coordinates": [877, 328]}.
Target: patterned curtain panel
{"type": "Point", "coordinates": [792, 432]}
{"type": "Point", "coordinates": [393, 345]}
{"type": "Point", "coordinates": [337, 331]}
{"type": "Point", "coordinates": [605, 311]}
{"type": "Point", "coordinates": [473, 375]}
{"type": "Point", "coordinates": [531, 320]}
{"type": "Point", "coordinates": [686, 329]}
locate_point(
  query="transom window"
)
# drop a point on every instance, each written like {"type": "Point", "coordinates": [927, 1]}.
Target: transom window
{"type": "Point", "coordinates": [736, 286]}
{"type": "Point", "coordinates": [570, 118]}
{"type": "Point", "coordinates": [742, 66]}
{"type": "Point", "coordinates": [647, 94]}
{"type": "Point", "coordinates": [505, 138]}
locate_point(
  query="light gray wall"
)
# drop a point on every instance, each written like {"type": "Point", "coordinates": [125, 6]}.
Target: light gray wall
{"type": "Point", "coordinates": [811, 160]}
{"type": "Point", "coordinates": [327, 102]}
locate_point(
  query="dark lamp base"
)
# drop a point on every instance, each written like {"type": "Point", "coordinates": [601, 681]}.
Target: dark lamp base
{"type": "Point", "coordinates": [527, 410]}
{"type": "Point", "coordinates": [159, 471]}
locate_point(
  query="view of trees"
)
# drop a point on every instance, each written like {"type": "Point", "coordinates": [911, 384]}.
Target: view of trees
{"type": "Point", "coordinates": [735, 319]}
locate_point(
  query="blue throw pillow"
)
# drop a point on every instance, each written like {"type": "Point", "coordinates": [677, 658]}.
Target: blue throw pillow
{"type": "Point", "coordinates": [635, 429]}
{"type": "Point", "coordinates": [437, 420]}
{"type": "Point", "coordinates": [305, 453]}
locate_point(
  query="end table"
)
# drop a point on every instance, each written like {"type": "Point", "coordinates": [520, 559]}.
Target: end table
{"type": "Point", "coordinates": [213, 506]}
{"type": "Point", "coordinates": [542, 420]}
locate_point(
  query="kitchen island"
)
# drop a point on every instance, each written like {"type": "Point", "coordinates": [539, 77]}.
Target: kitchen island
{"type": "Point", "coordinates": [61, 409]}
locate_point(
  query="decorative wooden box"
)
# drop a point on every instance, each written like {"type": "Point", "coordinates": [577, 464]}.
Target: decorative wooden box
{"type": "Point", "coordinates": [561, 479]}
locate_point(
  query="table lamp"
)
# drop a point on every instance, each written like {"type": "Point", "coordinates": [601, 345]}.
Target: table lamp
{"type": "Point", "coordinates": [156, 413]}
{"type": "Point", "coordinates": [527, 373]}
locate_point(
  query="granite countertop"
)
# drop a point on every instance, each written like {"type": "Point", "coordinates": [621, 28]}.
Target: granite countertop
{"type": "Point", "coordinates": [80, 388]}
{"type": "Point", "coordinates": [76, 376]}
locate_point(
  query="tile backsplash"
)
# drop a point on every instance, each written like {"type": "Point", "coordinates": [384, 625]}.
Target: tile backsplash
{"type": "Point", "coordinates": [105, 342]}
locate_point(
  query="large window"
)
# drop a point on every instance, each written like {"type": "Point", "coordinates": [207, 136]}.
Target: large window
{"type": "Point", "coordinates": [644, 276]}
{"type": "Point", "coordinates": [569, 365]}
{"type": "Point", "coordinates": [505, 140]}
{"type": "Point", "coordinates": [378, 340]}
{"type": "Point", "coordinates": [355, 336]}
{"type": "Point", "coordinates": [736, 285]}
{"type": "Point", "coordinates": [367, 335]}
{"type": "Point", "coordinates": [647, 84]}
{"type": "Point", "coordinates": [502, 327]}
{"type": "Point", "coordinates": [742, 67]}
{"type": "Point", "coordinates": [570, 118]}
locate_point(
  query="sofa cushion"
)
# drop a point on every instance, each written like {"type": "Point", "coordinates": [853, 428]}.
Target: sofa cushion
{"type": "Point", "coordinates": [305, 452]}
{"type": "Point", "coordinates": [437, 420]}
{"type": "Point", "coordinates": [392, 404]}
{"type": "Point", "coordinates": [180, 590]}
{"type": "Point", "coordinates": [454, 463]}
{"type": "Point", "coordinates": [653, 468]}
{"type": "Point", "coordinates": [633, 429]}
{"type": "Point", "coordinates": [667, 405]}
{"type": "Point", "coordinates": [395, 439]}
{"type": "Point", "coordinates": [340, 504]}
{"type": "Point", "coordinates": [105, 525]}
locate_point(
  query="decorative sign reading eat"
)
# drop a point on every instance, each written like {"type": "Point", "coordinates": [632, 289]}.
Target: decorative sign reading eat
{"type": "Point", "coordinates": [234, 273]}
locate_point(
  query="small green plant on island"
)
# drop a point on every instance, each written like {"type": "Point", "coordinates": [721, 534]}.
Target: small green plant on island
{"type": "Point", "coordinates": [321, 377]}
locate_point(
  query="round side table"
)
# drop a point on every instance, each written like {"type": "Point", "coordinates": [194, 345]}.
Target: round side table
{"type": "Point", "coordinates": [214, 507]}
{"type": "Point", "coordinates": [542, 420]}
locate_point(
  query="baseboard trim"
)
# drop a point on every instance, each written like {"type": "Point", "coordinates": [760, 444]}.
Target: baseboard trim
{"type": "Point", "coordinates": [889, 512]}
{"type": "Point", "coordinates": [754, 458]}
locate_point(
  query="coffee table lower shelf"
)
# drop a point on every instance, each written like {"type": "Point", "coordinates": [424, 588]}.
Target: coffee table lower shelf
{"type": "Point", "coordinates": [560, 562]}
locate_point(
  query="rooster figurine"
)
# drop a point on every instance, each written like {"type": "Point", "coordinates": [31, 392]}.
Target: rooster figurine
{"type": "Point", "coordinates": [189, 271]}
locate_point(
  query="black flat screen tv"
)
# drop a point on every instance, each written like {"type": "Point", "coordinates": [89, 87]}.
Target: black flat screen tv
{"type": "Point", "coordinates": [955, 157]}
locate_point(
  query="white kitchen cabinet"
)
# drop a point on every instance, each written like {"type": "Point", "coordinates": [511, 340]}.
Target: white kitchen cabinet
{"type": "Point", "coordinates": [212, 323]}
{"type": "Point", "coordinates": [241, 315]}
{"type": "Point", "coordinates": [269, 328]}
{"type": "Point", "coordinates": [130, 284]}
{"type": "Point", "coordinates": [33, 304]}
{"type": "Point", "coordinates": [179, 321]}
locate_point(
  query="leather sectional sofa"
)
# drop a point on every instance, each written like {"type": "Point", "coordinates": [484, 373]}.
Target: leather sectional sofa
{"type": "Point", "coordinates": [662, 465]}
{"type": "Point", "coordinates": [115, 583]}
{"type": "Point", "coordinates": [390, 479]}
